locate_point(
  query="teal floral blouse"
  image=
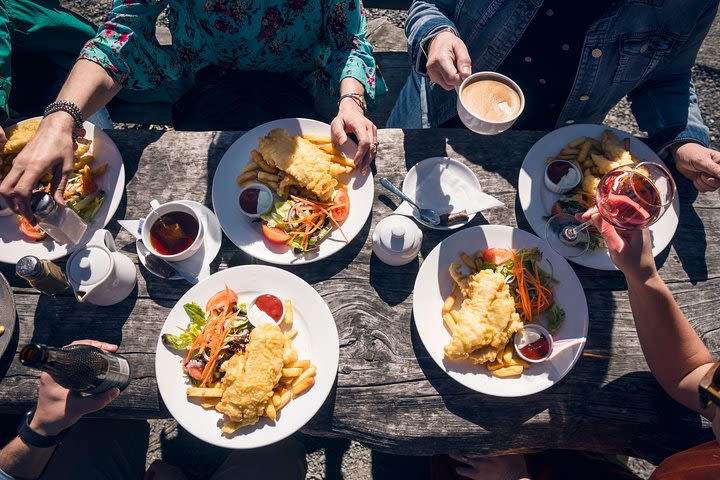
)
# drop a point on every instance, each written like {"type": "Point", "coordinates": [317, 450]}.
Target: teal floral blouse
{"type": "Point", "coordinates": [319, 42]}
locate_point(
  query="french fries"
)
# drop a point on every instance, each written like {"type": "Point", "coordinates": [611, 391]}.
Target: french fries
{"type": "Point", "coordinates": [204, 392]}
{"type": "Point", "coordinates": [289, 315]}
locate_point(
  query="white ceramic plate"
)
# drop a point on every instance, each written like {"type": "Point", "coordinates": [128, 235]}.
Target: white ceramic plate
{"type": "Point", "coordinates": [12, 244]}
{"type": "Point", "coordinates": [434, 284]}
{"type": "Point", "coordinates": [317, 340]}
{"type": "Point", "coordinates": [455, 199]}
{"type": "Point", "coordinates": [536, 200]}
{"type": "Point", "coordinates": [247, 235]}
{"type": "Point", "coordinates": [199, 263]}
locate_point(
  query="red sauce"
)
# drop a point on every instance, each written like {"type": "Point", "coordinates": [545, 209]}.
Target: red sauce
{"type": "Point", "coordinates": [557, 170]}
{"type": "Point", "coordinates": [173, 233]}
{"type": "Point", "coordinates": [249, 200]}
{"type": "Point", "coordinates": [271, 305]}
{"type": "Point", "coordinates": [537, 350]}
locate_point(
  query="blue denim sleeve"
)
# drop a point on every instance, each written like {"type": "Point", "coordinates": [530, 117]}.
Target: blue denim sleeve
{"type": "Point", "coordinates": [5, 476]}
{"type": "Point", "coordinates": [666, 105]}
{"type": "Point", "coordinates": [426, 18]}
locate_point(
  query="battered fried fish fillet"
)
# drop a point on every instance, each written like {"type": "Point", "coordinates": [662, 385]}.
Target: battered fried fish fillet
{"type": "Point", "coordinates": [303, 161]}
{"type": "Point", "coordinates": [486, 319]}
{"type": "Point", "coordinates": [251, 376]}
{"type": "Point", "coordinates": [20, 136]}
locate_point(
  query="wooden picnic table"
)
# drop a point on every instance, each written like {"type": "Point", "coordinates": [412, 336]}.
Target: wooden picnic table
{"type": "Point", "coordinates": [390, 394]}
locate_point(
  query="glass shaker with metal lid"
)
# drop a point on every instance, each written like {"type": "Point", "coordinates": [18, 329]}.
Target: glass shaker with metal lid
{"type": "Point", "coordinates": [61, 223]}
{"type": "Point", "coordinates": [43, 275]}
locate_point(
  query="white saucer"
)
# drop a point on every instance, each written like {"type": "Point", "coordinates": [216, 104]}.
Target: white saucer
{"type": "Point", "coordinates": [199, 263]}
{"type": "Point", "coordinates": [452, 200]}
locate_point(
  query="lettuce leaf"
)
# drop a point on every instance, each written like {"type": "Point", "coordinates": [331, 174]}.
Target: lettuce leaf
{"type": "Point", "coordinates": [197, 322]}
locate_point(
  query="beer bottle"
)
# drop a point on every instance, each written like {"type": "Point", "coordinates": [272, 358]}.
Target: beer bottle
{"type": "Point", "coordinates": [83, 368]}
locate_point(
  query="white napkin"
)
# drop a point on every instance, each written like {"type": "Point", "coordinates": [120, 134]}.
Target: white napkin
{"type": "Point", "coordinates": [441, 190]}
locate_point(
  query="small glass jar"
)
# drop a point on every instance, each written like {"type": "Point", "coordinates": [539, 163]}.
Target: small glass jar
{"type": "Point", "coordinates": [43, 275]}
{"type": "Point", "coordinates": [61, 223]}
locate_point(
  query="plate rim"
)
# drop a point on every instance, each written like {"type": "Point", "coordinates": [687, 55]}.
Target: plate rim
{"type": "Point", "coordinates": [12, 315]}
{"type": "Point", "coordinates": [454, 226]}
{"type": "Point", "coordinates": [460, 378]}
{"type": "Point", "coordinates": [244, 273]}
{"type": "Point", "coordinates": [268, 256]}
{"type": "Point", "coordinates": [525, 193]}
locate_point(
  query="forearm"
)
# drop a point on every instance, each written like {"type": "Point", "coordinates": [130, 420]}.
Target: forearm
{"type": "Point", "coordinates": [22, 461]}
{"type": "Point", "coordinates": [89, 87]}
{"type": "Point", "coordinates": [674, 352]}
{"type": "Point", "coordinates": [351, 85]}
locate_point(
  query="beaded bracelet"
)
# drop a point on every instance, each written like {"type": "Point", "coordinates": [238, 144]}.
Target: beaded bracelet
{"type": "Point", "coordinates": [74, 111]}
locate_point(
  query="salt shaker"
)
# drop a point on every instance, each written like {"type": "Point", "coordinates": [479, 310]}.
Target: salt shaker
{"type": "Point", "coordinates": [396, 240]}
{"type": "Point", "coordinates": [43, 275]}
{"type": "Point", "coordinates": [61, 223]}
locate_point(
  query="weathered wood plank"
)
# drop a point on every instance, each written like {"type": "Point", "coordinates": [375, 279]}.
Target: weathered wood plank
{"type": "Point", "coordinates": [390, 393]}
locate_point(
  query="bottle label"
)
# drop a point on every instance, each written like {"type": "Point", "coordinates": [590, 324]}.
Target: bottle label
{"type": "Point", "coordinates": [118, 375]}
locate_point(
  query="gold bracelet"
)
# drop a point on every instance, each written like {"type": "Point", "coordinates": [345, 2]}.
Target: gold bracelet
{"type": "Point", "coordinates": [358, 98]}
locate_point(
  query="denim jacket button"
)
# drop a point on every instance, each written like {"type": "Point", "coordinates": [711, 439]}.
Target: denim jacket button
{"type": "Point", "coordinates": [644, 48]}
{"type": "Point", "coordinates": [584, 98]}
{"type": "Point", "coordinates": [569, 121]}
{"type": "Point", "coordinates": [597, 53]}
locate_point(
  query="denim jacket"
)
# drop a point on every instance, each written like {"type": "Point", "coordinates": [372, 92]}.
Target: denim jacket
{"type": "Point", "coordinates": [644, 49]}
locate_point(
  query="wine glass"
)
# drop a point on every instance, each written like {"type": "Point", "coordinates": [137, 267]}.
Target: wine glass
{"type": "Point", "coordinates": [629, 197]}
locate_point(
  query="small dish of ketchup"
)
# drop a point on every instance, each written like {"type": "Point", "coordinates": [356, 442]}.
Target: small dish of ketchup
{"type": "Point", "coordinates": [255, 200]}
{"type": "Point", "coordinates": [270, 305]}
{"type": "Point", "coordinates": [534, 344]}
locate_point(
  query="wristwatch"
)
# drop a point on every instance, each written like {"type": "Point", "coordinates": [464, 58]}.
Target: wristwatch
{"type": "Point", "coordinates": [34, 439]}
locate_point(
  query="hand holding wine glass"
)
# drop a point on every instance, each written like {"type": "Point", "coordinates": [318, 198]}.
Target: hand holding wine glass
{"type": "Point", "coordinates": [629, 197]}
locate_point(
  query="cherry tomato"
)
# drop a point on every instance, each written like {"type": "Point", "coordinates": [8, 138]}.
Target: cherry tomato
{"type": "Point", "coordinates": [341, 207]}
{"type": "Point", "coordinates": [195, 372]}
{"type": "Point", "coordinates": [498, 256]}
{"type": "Point", "coordinates": [32, 233]}
{"type": "Point", "coordinates": [220, 299]}
{"type": "Point", "coordinates": [275, 235]}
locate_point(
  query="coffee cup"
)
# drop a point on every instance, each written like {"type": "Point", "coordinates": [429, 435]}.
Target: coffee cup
{"type": "Point", "coordinates": [173, 231]}
{"type": "Point", "coordinates": [489, 102]}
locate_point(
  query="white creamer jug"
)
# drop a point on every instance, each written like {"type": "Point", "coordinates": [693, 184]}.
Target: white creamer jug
{"type": "Point", "coordinates": [396, 240]}
{"type": "Point", "coordinates": [99, 274]}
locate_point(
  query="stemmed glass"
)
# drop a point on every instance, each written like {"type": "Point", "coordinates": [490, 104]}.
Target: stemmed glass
{"type": "Point", "coordinates": [629, 197]}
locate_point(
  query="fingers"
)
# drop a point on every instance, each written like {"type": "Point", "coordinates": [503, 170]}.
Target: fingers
{"type": "Point", "coordinates": [447, 69]}
{"type": "Point", "coordinates": [462, 60]}
{"type": "Point", "coordinates": [708, 164]}
{"type": "Point", "coordinates": [93, 403]}
{"type": "Point", "coordinates": [59, 181]}
{"type": "Point", "coordinates": [108, 347]}
{"type": "Point", "coordinates": [7, 188]}
{"type": "Point", "coordinates": [22, 193]}
{"type": "Point", "coordinates": [710, 184]}
{"type": "Point", "coordinates": [362, 157]}
{"type": "Point", "coordinates": [701, 186]}
{"type": "Point", "coordinates": [337, 129]}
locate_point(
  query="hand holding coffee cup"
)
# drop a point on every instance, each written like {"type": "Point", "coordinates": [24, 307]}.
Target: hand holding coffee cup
{"type": "Point", "coordinates": [489, 102]}
{"type": "Point", "coordinates": [172, 231]}
{"type": "Point", "coordinates": [448, 60]}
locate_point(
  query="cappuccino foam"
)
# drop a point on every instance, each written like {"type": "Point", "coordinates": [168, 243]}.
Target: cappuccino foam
{"type": "Point", "coordinates": [491, 100]}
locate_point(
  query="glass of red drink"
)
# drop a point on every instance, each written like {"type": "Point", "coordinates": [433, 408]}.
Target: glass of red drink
{"type": "Point", "coordinates": [629, 197]}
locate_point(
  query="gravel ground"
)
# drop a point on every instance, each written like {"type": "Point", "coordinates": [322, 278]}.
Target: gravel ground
{"type": "Point", "coordinates": [342, 459]}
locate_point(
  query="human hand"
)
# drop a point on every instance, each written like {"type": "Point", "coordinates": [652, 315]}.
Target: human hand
{"type": "Point", "coordinates": [49, 151]}
{"type": "Point", "coordinates": [630, 250]}
{"type": "Point", "coordinates": [59, 408]}
{"type": "Point", "coordinates": [448, 60]}
{"type": "Point", "coordinates": [159, 470]}
{"type": "Point", "coordinates": [351, 119]}
{"type": "Point", "coordinates": [701, 165]}
{"type": "Point", "coordinates": [482, 468]}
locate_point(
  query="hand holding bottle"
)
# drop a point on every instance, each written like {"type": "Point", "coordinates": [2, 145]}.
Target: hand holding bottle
{"type": "Point", "coordinates": [59, 408]}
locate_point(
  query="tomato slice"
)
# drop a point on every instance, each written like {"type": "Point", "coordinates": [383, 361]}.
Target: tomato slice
{"type": "Point", "coordinates": [195, 373]}
{"type": "Point", "coordinates": [32, 233]}
{"type": "Point", "coordinates": [220, 299]}
{"type": "Point", "coordinates": [275, 235]}
{"type": "Point", "coordinates": [498, 256]}
{"type": "Point", "coordinates": [341, 206]}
